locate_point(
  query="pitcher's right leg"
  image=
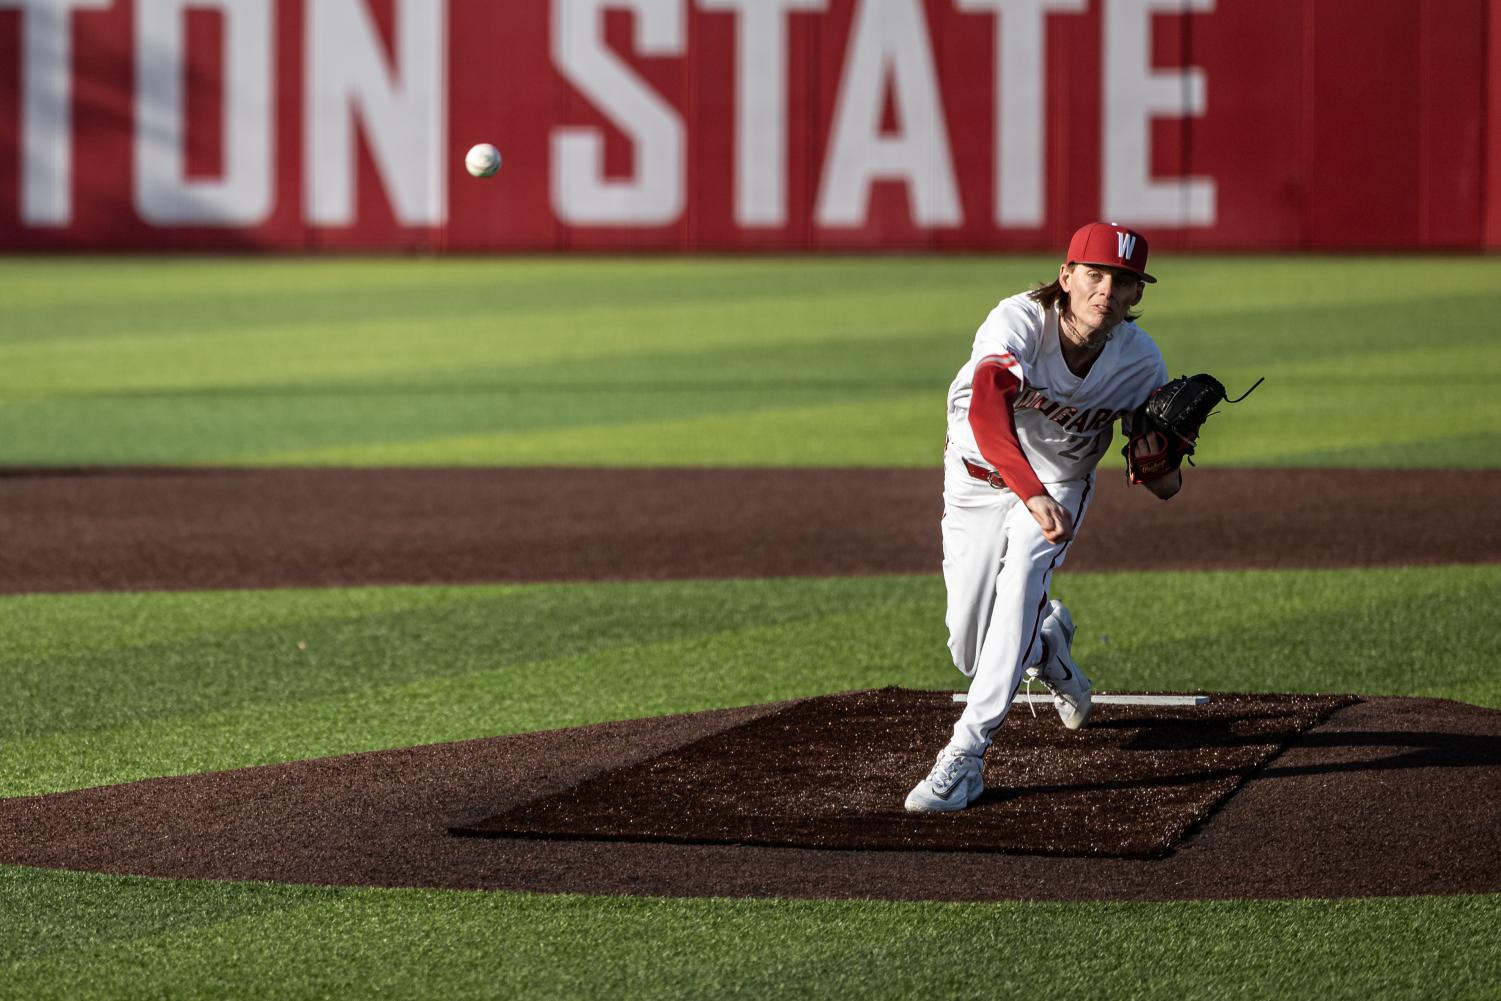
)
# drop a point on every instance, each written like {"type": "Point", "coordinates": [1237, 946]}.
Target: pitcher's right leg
{"type": "Point", "coordinates": [974, 544]}
{"type": "Point", "coordinates": [1012, 641]}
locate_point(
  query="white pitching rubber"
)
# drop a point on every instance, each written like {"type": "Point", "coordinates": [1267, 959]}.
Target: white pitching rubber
{"type": "Point", "coordinates": [1121, 700]}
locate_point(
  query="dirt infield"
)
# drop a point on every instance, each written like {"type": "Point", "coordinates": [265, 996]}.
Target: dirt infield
{"type": "Point", "coordinates": [1384, 797]}
{"type": "Point", "coordinates": [1388, 797]}
{"type": "Point", "coordinates": [141, 529]}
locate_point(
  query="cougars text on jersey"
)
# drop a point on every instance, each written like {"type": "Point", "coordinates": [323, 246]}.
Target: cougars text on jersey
{"type": "Point", "coordinates": [1069, 418]}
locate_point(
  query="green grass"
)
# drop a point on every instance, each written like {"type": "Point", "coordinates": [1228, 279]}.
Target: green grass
{"type": "Point", "coordinates": [703, 361]}
{"type": "Point", "coordinates": [165, 938]}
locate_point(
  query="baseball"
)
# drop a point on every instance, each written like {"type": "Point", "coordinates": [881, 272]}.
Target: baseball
{"type": "Point", "coordinates": [482, 160]}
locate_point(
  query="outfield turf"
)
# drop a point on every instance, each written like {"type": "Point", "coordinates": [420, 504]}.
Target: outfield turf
{"type": "Point", "coordinates": [803, 361]}
{"type": "Point", "coordinates": [757, 361]}
{"type": "Point", "coordinates": [94, 936]}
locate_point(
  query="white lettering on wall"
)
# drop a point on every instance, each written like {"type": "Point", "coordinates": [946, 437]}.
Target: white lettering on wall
{"type": "Point", "coordinates": [581, 193]}
{"type": "Point", "coordinates": [47, 108]}
{"type": "Point", "coordinates": [164, 194]}
{"type": "Point", "coordinates": [888, 46]}
{"type": "Point", "coordinates": [402, 109]}
{"type": "Point", "coordinates": [1020, 61]}
{"type": "Point", "coordinates": [1134, 95]}
{"type": "Point", "coordinates": [392, 95]}
{"type": "Point", "coordinates": [761, 106]}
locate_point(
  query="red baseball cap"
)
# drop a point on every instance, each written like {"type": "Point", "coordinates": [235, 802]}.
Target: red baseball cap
{"type": "Point", "coordinates": [1111, 246]}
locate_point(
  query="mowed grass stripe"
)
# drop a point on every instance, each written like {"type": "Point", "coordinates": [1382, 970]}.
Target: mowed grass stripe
{"type": "Point", "coordinates": [500, 361]}
{"type": "Point", "coordinates": [509, 415]}
{"type": "Point", "coordinates": [859, 434]}
{"type": "Point", "coordinates": [187, 652]}
{"type": "Point", "coordinates": [576, 316]}
{"type": "Point", "coordinates": [225, 291]}
{"type": "Point", "coordinates": [395, 667]}
{"type": "Point", "coordinates": [1307, 424]}
{"type": "Point", "coordinates": [114, 295]}
{"type": "Point", "coordinates": [103, 936]}
{"type": "Point", "coordinates": [436, 349]}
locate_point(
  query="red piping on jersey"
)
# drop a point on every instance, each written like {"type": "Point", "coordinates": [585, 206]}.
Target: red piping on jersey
{"type": "Point", "coordinates": [993, 394]}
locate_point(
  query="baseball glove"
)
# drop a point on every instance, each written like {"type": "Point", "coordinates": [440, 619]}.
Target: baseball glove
{"type": "Point", "coordinates": [1164, 430]}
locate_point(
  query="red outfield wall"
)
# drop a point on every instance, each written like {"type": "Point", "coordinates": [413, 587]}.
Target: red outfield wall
{"type": "Point", "coordinates": [746, 124]}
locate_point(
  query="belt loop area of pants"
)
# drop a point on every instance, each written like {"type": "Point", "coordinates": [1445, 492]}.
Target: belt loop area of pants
{"type": "Point", "coordinates": [990, 476]}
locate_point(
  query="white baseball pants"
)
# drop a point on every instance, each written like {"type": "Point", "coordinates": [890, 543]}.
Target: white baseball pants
{"type": "Point", "coordinates": [996, 568]}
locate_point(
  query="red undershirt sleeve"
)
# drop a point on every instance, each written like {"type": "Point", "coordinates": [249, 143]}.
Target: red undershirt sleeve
{"type": "Point", "coordinates": [992, 396]}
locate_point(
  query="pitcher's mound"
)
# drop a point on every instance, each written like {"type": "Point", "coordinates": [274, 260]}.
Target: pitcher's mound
{"type": "Point", "coordinates": [1387, 796]}
{"type": "Point", "coordinates": [832, 772]}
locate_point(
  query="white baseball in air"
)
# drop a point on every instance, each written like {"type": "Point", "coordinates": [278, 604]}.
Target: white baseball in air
{"type": "Point", "coordinates": [482, 160]}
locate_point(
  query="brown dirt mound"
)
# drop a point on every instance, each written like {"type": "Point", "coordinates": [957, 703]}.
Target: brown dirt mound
{"type": "Point", "coordinates": [145, 529]}
{"type": "Point", "coordinates": [1387, 797]}
{"type": "Point", "coordinates": [832, 772]}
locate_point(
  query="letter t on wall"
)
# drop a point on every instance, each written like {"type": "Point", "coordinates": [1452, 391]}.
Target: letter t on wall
{"type": "Point", "coordinates": [1133, 95]}
{"type": "Point", "coordinates": [1020, 62]}
{"type": "Point", "coordinates": [47, 107]}
{"type": "Point", "coordinates": [761, 106]}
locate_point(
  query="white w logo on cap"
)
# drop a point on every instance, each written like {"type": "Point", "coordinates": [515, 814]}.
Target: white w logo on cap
{"type": "Point", "coordinates": [1125, 245]}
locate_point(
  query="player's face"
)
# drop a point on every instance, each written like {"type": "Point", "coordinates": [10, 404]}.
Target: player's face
{"type": "Point", "coordinates": [1098, 297]}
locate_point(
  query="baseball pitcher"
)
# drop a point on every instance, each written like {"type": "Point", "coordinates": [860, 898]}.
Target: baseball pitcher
{"type": "Point", "coordinates": [1029, 416]}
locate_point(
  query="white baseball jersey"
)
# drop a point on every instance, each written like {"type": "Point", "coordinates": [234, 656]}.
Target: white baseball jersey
{"type": "Point", "coordinates": [1064, 422]}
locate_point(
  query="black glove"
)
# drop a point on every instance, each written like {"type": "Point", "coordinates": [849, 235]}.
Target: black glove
{"type": "Point", "coordinates": [1164, 430]}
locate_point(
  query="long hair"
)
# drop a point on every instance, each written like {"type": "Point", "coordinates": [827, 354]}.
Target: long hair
{"type": "Point", "coordinates": [1052, 294]}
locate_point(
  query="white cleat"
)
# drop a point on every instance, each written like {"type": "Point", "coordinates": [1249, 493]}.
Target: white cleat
{"type": "Point", "coordinates": [1058, 672]}
{"type": "Point", "coordinates": [955, 782]}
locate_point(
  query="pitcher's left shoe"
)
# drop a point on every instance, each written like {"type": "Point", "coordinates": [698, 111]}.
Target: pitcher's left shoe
{"type": "Point", "coordinates": [1058, 672]}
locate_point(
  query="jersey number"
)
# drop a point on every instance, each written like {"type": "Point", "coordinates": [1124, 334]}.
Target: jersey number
{"type": "Point", "coordinates": [1079, 446]}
